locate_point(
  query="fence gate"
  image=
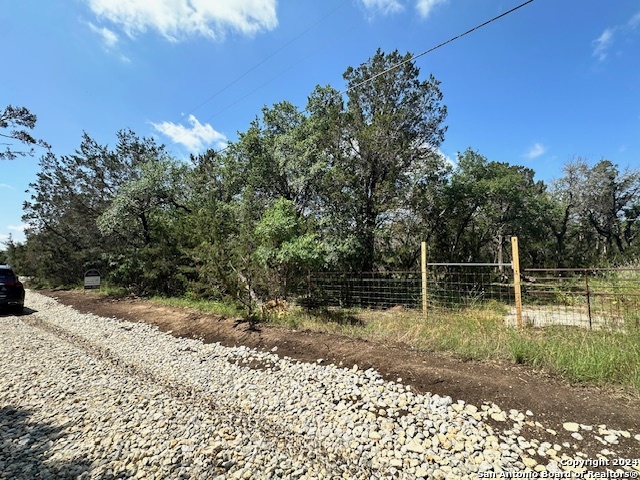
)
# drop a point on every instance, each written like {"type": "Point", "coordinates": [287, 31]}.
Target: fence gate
{"type": "Point", "coordinates": [592, 298]}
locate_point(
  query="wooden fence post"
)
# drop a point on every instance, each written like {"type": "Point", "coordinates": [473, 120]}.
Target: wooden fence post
{"type": "Point", "coordinates": [515, 259]}
{"type": "Point", "coordinates": [423, 267]}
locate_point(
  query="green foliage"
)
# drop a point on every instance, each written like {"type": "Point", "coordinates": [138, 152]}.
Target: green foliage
{"type": "Point", "coordinates": [69, 195]}
{"type": "Point", "coordinates": [353, 182]}
{"type": "Point", "coordinates": [278, 224]}
{"type": "Point", "coordinates": [484, 204]}
{"type": "Point", "coordinates": [143, 201]}
{"type": "Point", "coordinates": [16, 123]}
{"type": "Point", "coordinates": [285, 249]}
{"type": "Point", "coordinates": [378, 148]}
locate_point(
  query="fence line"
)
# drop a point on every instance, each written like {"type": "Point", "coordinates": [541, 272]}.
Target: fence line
{"type": "Point", "coordinates": [451, 287]}
{"type": "Point", "coordinates": [590, 298]}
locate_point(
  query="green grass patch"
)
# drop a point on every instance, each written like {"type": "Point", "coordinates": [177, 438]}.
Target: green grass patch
{"type": "Point", "coordinates": [600, 357]}
{"type": "Point", "coordinates": [111, 291]}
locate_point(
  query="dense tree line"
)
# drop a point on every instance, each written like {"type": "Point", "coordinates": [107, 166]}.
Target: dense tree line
{"type": "Point", "coordinates": [355, 181]}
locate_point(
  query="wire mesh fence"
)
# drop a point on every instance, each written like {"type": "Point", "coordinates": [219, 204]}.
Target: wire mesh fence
{"type": "Point", "coordinates": [590, 298]}
{"type": "Point", "coordinates": [459, 286]}
{"type": "Point", "coordinates": [447, 286]}
{"type": "Point", "coordinates": [376, 290]}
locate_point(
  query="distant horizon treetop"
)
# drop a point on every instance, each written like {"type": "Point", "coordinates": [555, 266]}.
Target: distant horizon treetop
{"type": "Point", "coordinates": [13, 118]}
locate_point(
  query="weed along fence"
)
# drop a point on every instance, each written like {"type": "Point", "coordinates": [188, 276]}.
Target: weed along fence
{"type": "Point", "coordinates": [590, 298]}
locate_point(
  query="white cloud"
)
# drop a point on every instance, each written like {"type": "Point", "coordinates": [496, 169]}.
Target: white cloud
{"type": "Point", "coordinates": [535, 151]}
{"type": "Point", "coordinates": [602, 43]}
{"type": "Point", "coordinates": [4, 185]}
{"type": "Point", "coordinates": [110, 41]}
{"type": "Point", "coordinates": [447, 158]}
{"type": "Point", "coordinates": [178, 19]}
{"type": "Point", "coordinates": [109, 38]}
{"type": "Point", "coordinates": [196, 138]}
{"type": "Point", "coordinates": [426, 6]}
{"type": "Point", "coordinates": [18, 228]}
{"type": "Point", "coordinates": [382, 6]}
{"type": "Point", "coordinates": [605, 41]}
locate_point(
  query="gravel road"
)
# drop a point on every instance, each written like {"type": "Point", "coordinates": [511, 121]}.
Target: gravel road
{"type": "Point", "coordinates": [88, 397]}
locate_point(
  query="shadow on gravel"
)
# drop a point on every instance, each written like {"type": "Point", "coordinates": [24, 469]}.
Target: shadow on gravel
{"type": "Point", "coordinates": [9, 313]}
{"type": "Point", "coordinates": [25, 448]}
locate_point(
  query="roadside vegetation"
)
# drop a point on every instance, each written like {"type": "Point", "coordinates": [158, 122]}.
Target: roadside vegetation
{"type": "Point", "coordinates": [351, 182]}
{"type": "Point", "coordinates": [600, 357]}
{"type": "Point", "coordinates": [603, 357]}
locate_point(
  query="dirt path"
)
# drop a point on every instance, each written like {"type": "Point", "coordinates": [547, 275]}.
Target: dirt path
{"type": "Point", "coordinates": [510, 386]}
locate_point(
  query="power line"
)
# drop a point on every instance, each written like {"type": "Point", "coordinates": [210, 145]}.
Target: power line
{"type": "Point", "coordinates": [414, 57]}
{"type": "Point", "coordinates": [264, 60]}
{"type": "Point", "coordinates": [310, 27]}
{"type": "Point", "coordinates": [390, 69]}
{"type": "Point", "coordinates": [300, 60]}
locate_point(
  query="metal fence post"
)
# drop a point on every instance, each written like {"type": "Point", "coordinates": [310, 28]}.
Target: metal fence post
{"type": "Point", "coordinates": [423, 267]}
{"type": "Point", "coordinates": [515, 258]}
{"type": "Point", "coordinates": [586, 282]}
{"type": "Point", "coordinates": [309, 294]}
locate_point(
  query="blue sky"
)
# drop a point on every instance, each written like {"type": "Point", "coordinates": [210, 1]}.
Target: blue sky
{"type": "Point", "coordinates": [549, 82]}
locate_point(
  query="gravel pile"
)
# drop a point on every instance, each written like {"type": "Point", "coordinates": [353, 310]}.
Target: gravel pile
{"type": "Point", "coordinates": [88, 397]}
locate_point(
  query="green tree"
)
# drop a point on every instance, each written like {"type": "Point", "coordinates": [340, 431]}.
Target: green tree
{"type": "Point", "coordinates": [484, 204]}
{"type": "Point", "coordinates": [68, 196]}
{"type": "Point", "coordinates": [285, 249]}
{"type": "Point", "coordinates": [280, 157]}
{"type": "Point", "coordinates": [16, 123]}
{"type": "Point", "coordinates": [142, 215]}
{"type": "Point", "coordinates": [220, 240]}
{"type": "Point", "coordinates": [376, 147]}
{"type": "Point", "coordinates": [276, 159]}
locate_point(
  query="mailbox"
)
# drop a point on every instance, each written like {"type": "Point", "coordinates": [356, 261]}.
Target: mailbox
{"type": "Point", "coordinates": [92, 279]}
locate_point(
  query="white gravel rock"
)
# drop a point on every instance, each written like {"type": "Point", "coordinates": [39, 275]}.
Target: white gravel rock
{"type": "Point", "coordinates": [97, 398]}
{"type": "Point", "coordinates": [571, 426]}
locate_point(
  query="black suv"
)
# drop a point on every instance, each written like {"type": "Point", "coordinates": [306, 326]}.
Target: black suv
{"type": "Point", "coordinates": [11, 290]}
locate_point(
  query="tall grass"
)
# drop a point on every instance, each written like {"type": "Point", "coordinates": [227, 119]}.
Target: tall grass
{"type": "Point", "coordinates": [603, 357]}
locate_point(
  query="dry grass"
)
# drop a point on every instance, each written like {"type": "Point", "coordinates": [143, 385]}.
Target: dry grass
{"type": "Point", "coordinates": [602, 357]}
{"type": "Point", "coordinates": [479, 333]}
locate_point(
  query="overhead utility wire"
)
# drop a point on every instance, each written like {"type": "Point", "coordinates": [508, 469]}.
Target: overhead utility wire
{"type": "Point", "coordinates": [264, 60]}
{"type": "Point", "coordinates": [393, 67]}
{"type": "Point", "coordinates": [282, 72]}
{"type": "Point", "coordinates": [300, 60]}
{"type": "Point", "coordinates": [390, 69]}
